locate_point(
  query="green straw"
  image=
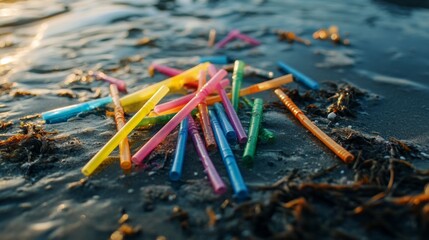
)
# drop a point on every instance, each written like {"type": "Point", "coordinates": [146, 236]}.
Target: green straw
{"type": "Point", "coordinates": [265, 135]}
{"type": "Point", "coordinates": [149, 122]}
{"type": "Point", "coordinates": [237, 78]}
{"type": "Point", "coordinates": [255, 122]}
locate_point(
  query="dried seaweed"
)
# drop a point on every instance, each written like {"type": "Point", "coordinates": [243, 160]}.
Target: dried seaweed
{"type": "Point", "coordinates": [33, 148]}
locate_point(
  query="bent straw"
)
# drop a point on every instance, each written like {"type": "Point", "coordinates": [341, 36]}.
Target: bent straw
{"type": "Point", "coordinates": [231, 36]}
{"type": "Point", "coordinates": [237, 79]}
{"type": "Point", "coordinates": [168, 71]}
{"type": "Point", "coordinates": [216, 181]}
{"type": "Point", "coordinates": [227, 128]}
{"type": "Point", "coordinates": [174, 83]}
{"type": "Point", "coordinates": [228, 158]}
{"type": "Point", "coordinates": [232, 115]}
{"type": "Point", "coordinates": [342, 153]}
{"type": "Point", "coordinates": [248, 39]}
{"type": "Point", "coordinates": [259, 87]}
{"type": "Point", "coordinates": [181, 101]}
{"type": "Point", "coordinates": [208, 88]}
{"type": "Point", "coordinates": [120, 84]}
{"type": "Point", "coordinates": [255, 122]}
{"type": "Point", "coordinates": [104, 152]}
{"type": "Point", "coordinates": [176, 168]}
{"type": "Point", "coordinates": [124, 146]}
{"type": "Point", "coordinates": [204, 117]}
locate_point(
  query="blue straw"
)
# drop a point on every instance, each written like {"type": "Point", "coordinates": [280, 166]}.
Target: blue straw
{"type": "Point", "coordinates": [64, 113]}
{"type": "Point", "coordinates": [298, 76]}
{"type": "Point", "coordinates": [227, 128]}
{"type": "Point", "coordinates": [176, 169]}
{"type": "Point", "coordinates": [216, 59]}
{"type": "Point", "coordinates": [228, 158]}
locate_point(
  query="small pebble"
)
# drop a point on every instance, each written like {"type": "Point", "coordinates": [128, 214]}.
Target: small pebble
{"type": "Point", "coordinates": [130, 190]}
{"type": "Point", "coordinates": [402, 157]}
{"type": "Point", "coordinates": [195, 173]}
{"type": "Point", "coordinates": [332, 116]}
{"type": "Point", "coordinates": [342, 171]}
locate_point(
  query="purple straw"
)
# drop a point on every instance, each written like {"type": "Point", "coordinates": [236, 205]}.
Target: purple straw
{"type": "Point", "coordinates": [216, 181]}
{"type": "Point", "coordinates": [230, 112]}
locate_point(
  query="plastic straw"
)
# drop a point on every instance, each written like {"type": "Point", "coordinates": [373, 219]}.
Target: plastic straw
{"type": "Point", "coordinates": [216, 181]}
{"type": "Point", "coordinates": [227, 128]}
{"type": "Point", "coordinates": [299, 77]}
{"type": "Point", "coordinates": [228, 158]}
{"type": "Point", "coordinates": [232, 115]}
{"type": "Point", "coordinates": [168, 71]}
{"type": "Point", "coordinates": [120, 84]}
{"type": "Point", "coordinates": [176, 168]}
{"type": "Point", "coordinates": [208, 88]}
{"type": "Point", "coordinates": [237, 79]}
{"type": "Point", "coordinates": [204, 117]}
{"type": "Point", "coordinates": [174, 83]}
{"type": "Point", "coordinates": [234, 34]}
{"type": "Point", "coordinates": [255, 123]}
{"type": "Point", "coordinates": [63, 114]}
{"type": "Point", "coordinates": [104, 152]}
{"type": "Point", "coordinates": [248, 39]}
{"type": "Point", "coordinates": [342, 153]}
{"type": "Point", "coordinates": [124, 146]}
{"type": "Point", "coordinates": [231, 36]}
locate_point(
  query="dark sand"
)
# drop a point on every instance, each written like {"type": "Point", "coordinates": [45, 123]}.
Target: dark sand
{"type": "Point", "coordinates": [43, 195]}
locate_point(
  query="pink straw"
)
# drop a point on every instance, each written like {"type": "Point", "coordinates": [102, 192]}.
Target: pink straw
{"type": "Point", "coordinates": [236, 34]}
{"type": "Point", "coordinates": [216, 181]}
{"type": "Point", "coordinates": [181, 100]}
{"type": "Point", "coordinates": [168, 71]}
{"type": "Point", "coordinates": [120, 84]}
{"type": "Point", "coordinates": [231, 36]}
{"type": "Point", "coordinates": [230, 112]}
{"type": "Point", "coordinates": [208, 88]}
{"type": "Point", "coordinates": [248, 39]}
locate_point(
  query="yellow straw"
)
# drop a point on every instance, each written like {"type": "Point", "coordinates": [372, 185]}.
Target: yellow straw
{"type": "Point", "coordinates": [345, 155]}
{"type": "Point", "coordinates": [104, 152]}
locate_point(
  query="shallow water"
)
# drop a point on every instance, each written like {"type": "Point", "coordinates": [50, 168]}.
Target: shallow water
{"type": "Point", "coordinates": [42, 43]}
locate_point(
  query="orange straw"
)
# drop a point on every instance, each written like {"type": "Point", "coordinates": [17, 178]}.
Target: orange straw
{"type": "Point", "coordinates": [124, 146]}
{"type": "Point", "coordinates": [345, 155]}
{"type": "Point", "coordinates": [204, 116]}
